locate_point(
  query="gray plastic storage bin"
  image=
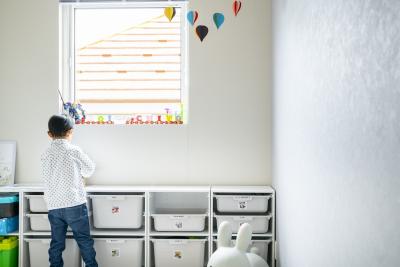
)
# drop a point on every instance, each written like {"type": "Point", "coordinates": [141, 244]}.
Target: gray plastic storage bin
{"type": "Point", "coordinates": [119, 252]}
{"type": "Point", "coordinates": [39, 256]}
{"type": "Point", "coordinates": [37, 203]}
{"type": "Point", "coordinates": [243, 203]}
{"type": "Point", "coordinates": [179, 222]}
{"type": "Point", "coordinates": [39, 222]}
{"type": "Point", "coordinates": [179, 252]}
{"type": "Point", "coordinates": [259, 223]}
{"type": "Point", "coordinates": [117, 211]}
{"type": "Point", "coordinates": [262, 246]}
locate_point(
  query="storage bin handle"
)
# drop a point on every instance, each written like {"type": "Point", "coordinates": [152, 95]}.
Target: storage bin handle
{"type": "Point", "coordinates": [178, 242]}
{"type": "Point", "coordinates": [113, 241]}
{"type": "Point", "coordinates": [242, 198]}
{"type": "Point", "coordinates": [243, 218]}
{"type": "Point", "coordinates": [115, 197]}
{"type": "Point", "coordinates": [178, 217]}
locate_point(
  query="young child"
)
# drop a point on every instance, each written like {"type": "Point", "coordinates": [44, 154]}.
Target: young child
{"type": "Point", "coordinates": [63, 168]}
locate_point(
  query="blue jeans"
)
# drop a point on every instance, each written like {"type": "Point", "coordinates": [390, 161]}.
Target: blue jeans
{"type": "Point", "coordinates": [76, 218]}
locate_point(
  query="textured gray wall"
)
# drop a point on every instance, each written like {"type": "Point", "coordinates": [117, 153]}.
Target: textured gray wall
{"type": "Point", "coordinates": [336, 153]}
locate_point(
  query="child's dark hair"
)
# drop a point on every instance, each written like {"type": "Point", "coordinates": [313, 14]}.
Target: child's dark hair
{"type": "Point", "coordinates": [59, 125]}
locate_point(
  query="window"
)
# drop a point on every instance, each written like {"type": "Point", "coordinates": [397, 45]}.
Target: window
{"type": "Point", "coordinates": [125, 63]}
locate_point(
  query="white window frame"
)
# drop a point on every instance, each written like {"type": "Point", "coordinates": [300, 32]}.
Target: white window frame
{"type": "Point", "coordinates": [67, 44]}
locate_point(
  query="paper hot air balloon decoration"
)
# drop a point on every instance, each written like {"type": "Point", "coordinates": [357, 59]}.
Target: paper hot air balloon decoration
{"type": "Point", "coordinates": [170, 12]}
{"type": "Point", "coordinates": [192, 17]}
{"type": "Point", "coordinates": [219, 19]}
{"type": "Point", "coordinates": [201, 32]}
{"type": "Point", "coordinates": [237, 5]}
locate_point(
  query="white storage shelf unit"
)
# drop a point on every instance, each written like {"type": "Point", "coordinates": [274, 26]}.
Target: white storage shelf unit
{"type": "Point", "coordinates": [176, 223]}
{"type": "Point", "coordinates": [179, 219]}
{"type": "Point", "coordinates": [246, 204]}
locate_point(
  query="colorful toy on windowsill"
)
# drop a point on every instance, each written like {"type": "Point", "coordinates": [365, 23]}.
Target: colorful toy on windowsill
{"type": "Point", "coordinates": [99, 119]}
{"type": "Point", "coordinates": [167, 118]}
{"type": "Point", "coordinates": [95, 122]}
{"type": "Point", "coordinates": [75, 110]}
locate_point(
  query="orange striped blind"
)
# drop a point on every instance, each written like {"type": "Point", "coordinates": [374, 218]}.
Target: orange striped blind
{"type": "Point", "coordinates": [132, 72]}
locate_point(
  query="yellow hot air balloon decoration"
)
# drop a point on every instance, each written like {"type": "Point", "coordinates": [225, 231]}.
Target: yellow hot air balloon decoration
{"type": "Point", "coordinates": [170, 12]}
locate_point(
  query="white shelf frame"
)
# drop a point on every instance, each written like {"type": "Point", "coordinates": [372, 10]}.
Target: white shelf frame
{"type": "Point", "coordinates": [267, 190]}
{"type": "Point", "coordinates": [146, 233]}
{"type": "Point", "coordinates": [176, 190]}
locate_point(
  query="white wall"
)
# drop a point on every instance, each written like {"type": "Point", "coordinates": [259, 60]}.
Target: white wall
{"type": "Point", "coordinates": [227, 140]}
{"type": "Point", "coordinates": [336, 132]}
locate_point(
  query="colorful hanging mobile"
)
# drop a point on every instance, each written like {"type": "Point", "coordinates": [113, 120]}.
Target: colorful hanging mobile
{"type": "Point", "coordinates": [192, 17]}
{"type": "Point", "coordinates": [170, 12]}
{"type": "Point", "coordinates": [219, 19]}
{"type": "Point", "coordinates": [201, 32]}
{"type": "Point", "coordinates": [237, 5]}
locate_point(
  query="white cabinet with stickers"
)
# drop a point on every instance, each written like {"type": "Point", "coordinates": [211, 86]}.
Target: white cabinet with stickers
{"type": "Point", "coordinates": [179, 219]}
{"type": "Point", "coordinates": [254, 205]}
{"type": "Point", "coordinates": [150, 226]}
{"type": "Point", "coordinates": [118, 224]}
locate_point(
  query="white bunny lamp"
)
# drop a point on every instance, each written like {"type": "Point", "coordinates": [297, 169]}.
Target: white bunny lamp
{"type": "Point", "coordinates": [254, 259]}
{"type": "Point", "coordinates": [227, 256]}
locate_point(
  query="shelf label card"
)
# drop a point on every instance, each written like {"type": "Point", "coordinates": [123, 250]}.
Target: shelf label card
{"type": "Point", "coordinates": [242, 205]}
{"type": "Point", "coordinates": [178, 254]}
{"type": "Point", "coordinates": [115, 252]}
{"type": "Point", "coordinates": [115, 210]}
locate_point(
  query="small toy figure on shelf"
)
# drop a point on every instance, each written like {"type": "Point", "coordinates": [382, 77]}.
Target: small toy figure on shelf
{"type": "Point", "coordinates": [75, 110]}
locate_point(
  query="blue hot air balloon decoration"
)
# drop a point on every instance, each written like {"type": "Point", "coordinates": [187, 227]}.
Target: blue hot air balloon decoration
{"type": "Point", "coordinates": [192, 17]}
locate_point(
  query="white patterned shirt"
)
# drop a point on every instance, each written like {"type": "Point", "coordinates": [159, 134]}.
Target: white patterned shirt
{"type": "Point", "coordinates": [63, 166]}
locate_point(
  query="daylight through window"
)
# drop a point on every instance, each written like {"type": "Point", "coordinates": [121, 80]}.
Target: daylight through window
{"type": "Point", "coordinates": [124, 65]}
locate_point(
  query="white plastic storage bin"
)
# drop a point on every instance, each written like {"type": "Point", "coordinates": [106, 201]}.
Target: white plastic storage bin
{"type": "Point", "coordinates": [243, 203]}
{"type": "Point", "coordinates": [119, 252]}
{"type": "Point", "coordinates": [39, 222]}
{"type": "Point", "coordinates": [259, 223]}
{"type": "Point", "coordinates": [179, 252]}
{"type": "Point", "coordinates": [117, 211]}
{"type": "Point", "coordinates": [37, 203]}
{"type": "Point", "coordinates": [261, 245]}
{"type": "Point", "coordinates": [179, 222]}
{"type": "Point", "coordinates": [39, 256]}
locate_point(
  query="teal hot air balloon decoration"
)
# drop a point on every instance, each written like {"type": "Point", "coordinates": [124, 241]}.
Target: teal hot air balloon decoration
{"type": "Point", "coordinates": [192, 16]}
{"type": "Point", "coordinates": [219, 19]}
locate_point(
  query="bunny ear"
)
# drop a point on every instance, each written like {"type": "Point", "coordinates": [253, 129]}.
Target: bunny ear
{"type": "Point", "coordinates": [244, 237]}
{"type": "Point", "coordinates": [224, 234]}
